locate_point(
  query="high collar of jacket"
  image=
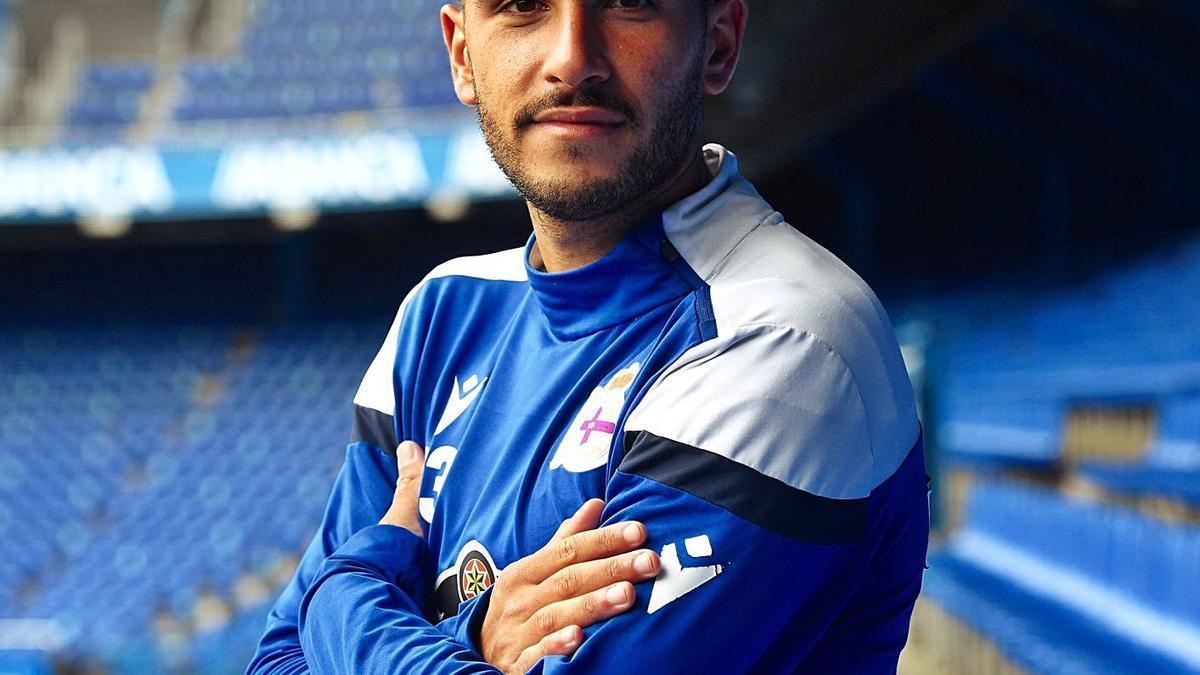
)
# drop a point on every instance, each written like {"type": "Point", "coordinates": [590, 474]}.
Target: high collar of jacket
{"type": "Point", "coordinates": [643, 271]}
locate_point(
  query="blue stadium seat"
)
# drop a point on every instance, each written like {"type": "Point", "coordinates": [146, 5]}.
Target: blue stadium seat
{"type": "Point", "coordinates": [1133, 333]}
{"type": "Point", "coordinates": [25, 662]}
{"type": "Point", "coordinates": [1171, 467]}
{"type": "Point", "coordinates": [107, 100]}
{"type": "Point", "coordinates": [981, 431]}
{"type": "Point", "coordinates": [1063, 586]}
{"type": "Point", "coordinates": [322, 59]}
{"type": "Point", "coordinates": [145, 484]}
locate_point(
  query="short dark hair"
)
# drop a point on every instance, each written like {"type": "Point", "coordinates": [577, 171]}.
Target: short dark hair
{"type": "Point", "coordinates": [704, 4]}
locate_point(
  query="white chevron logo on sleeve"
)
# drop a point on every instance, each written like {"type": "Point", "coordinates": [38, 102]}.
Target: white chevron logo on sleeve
{"type": "Point", "coordinates": [674, 580]}
{"type": "Point", "coordinates": [461, 398]}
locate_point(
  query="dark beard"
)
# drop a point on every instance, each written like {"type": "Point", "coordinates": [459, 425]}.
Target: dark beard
{"type": "Point", "coordinates": [651, 165]}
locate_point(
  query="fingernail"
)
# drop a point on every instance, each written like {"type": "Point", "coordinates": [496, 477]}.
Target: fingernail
{"type": "Point", "coordinates": [632, 533]}
{"type": "Point", "coordinates": [644, 564]}
{"type": "Point", "coordinates": [567, 637]}
{"type": "Point", "coordinates": [616, 595]}
{"type": "Point", "coordinates": [406, 452]}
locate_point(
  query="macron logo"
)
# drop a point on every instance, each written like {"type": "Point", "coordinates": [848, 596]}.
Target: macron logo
{"type": "Point", "coordinates": [674, 580]}
{"type": "Point", "coordinates": [461, 398]}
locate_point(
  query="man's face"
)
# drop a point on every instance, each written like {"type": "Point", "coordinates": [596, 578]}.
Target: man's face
{"type": "Point", "coordinates": [587, 105]}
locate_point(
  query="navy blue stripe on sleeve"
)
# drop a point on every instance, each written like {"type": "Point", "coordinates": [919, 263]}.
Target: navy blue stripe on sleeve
{"type": "Point", "coordinates": [743, 491]}
{"type": "Point", "coordinates": [374, 428]}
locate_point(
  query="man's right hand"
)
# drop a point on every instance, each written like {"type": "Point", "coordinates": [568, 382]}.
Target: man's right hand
{"type": "Point", "coordinates": [540, 604]}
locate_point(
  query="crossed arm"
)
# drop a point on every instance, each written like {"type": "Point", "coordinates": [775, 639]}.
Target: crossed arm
{"type": "Point", "coordinates": [543, 602]}
{"type": "Point", "coordinates": [583, 575]}
{"type": "Point", "coordinates": [357, 602]}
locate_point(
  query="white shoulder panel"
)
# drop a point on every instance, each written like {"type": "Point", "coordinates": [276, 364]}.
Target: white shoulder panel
{"type": "Point", "coordinates": [809, 386]}
{"type": "Point", "coordinates": [772, 398]}
{"type": "Point", "coordinates": [375, 391]}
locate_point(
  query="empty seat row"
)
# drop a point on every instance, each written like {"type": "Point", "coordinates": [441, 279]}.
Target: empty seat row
{"type": "Point", "coordinates": [109, 95]}
{"type": "Point", "coordinates": [323, 59]}
{"type": "Point", "coordinates": [285, 11]}
{"type": "Point", "coordinates": [365, 65]}
{"type": "Point", "coordinates": [1064, 586]}
{"type": "Point", "coordinates": [298, 59]}
{"type": "Point", "coordinates": [978, 431]}
{"type": "Point", "coordinates": [292, 99]}
{"type": "Point", "coordinates": [158, 484]}
{"type": "Point", "coordinates": [1128, 335]}
{"type": "Point", "coordinates": [351, 32]}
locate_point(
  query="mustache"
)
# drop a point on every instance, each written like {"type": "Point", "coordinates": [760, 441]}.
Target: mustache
{"type": "Point", "coordinates": [593, 98]}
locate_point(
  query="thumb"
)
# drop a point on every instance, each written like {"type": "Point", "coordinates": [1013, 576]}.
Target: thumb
{"type": "Point", "coordinates": [410, 461]}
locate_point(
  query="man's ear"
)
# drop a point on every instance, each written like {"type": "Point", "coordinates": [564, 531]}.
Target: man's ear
{"type": "Point", "coordinates": [726, 25]}
{"type": "Point", "coordinates": [454, 34]}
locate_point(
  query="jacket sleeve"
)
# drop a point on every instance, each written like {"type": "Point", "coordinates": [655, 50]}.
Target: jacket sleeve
{"type": "Point", "coordinates": [361, 583]}
{"type": "Point", "coordinates": [788, 507]}
{"type": "Point", "coordinates": [735, 595]}
{"type": "Point", "coordinates": [770, 589]}
{"type": "Point", "coordinates": [357, 602]}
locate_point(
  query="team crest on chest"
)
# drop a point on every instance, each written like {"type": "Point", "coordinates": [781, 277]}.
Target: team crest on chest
{"type": "Point", "coordinates": [472, 574]}
{"type": "Point", "coordinates": [475, 576]}
{"type": "Point", "coordinates": [587, 442]}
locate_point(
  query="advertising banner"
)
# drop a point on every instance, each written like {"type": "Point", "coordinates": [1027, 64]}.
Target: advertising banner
{"type": "Point", "coordinates": [375, 169]}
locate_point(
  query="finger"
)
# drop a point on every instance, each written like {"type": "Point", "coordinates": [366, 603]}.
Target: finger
{"type": "Point", "coordinates": [559, 643]}
{"type": "Point", "coordinates": [589, 545]}
{"type": "Point", "coordinates": [592, 575]}
{"type": "Point", "coordinates": [410, 461]}
{"type": "Point", "coordinates": [585, 609]}
{"type": "Point", "coordinates": [586, 518]}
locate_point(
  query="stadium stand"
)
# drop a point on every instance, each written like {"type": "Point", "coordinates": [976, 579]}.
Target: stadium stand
{"type": "Point", "coordinates": [984, 431]}
{"type": "Point", "coordinates": [1126, 338]}
{"type": "Point", "coordinates": [108, 99]}
{"type": "Point", "coordinates": [9, 45]}
{"type": "Point", "coordinates": [1063, 586]}
{"type": "Point", "coordinates": [321, 58]}
{"type": "Point", "coordinates": [5, 42]}
{"type": "Point", "coordinates": [1095, 386]}
{"type": "Point", "coordinates": [309, 61]}
{"type": "Point", "coordinates": [177, 470]}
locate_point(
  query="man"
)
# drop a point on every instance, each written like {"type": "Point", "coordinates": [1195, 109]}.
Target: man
{"type": "Point", "coordinates": [719, 402]}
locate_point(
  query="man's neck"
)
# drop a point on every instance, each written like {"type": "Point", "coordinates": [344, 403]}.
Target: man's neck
{"type": "Point", "coordinates": [566, 245]}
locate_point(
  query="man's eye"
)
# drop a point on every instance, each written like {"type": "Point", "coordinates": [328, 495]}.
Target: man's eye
{"type": "Point", "coordinates": [523, 6]}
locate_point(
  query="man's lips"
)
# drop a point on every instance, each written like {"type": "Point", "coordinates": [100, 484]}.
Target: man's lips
{"type": "Point", "coordinates": [580, 116]}
{"type": "Point", "coordinates": [578, 123]}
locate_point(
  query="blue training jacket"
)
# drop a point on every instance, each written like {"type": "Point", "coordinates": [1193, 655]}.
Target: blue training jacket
{"type": "Point", "coordinates": [717, 376]}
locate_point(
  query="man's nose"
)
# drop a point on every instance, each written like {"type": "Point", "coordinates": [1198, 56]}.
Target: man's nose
{"type": "Point", "coordinates": [577, 55]}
